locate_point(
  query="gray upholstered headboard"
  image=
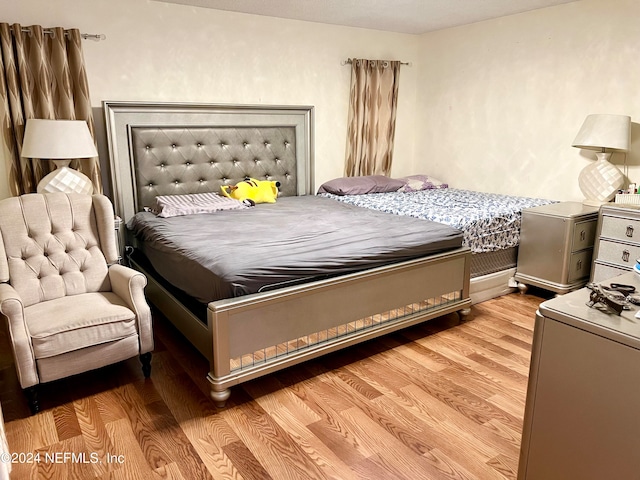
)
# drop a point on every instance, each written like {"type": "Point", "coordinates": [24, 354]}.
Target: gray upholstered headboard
{"type": "Point", "coordinates": [165, 149]}
{"type": "Point", "coordinates": [170, 161]}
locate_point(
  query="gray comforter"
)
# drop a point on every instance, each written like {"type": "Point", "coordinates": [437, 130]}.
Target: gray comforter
{"type": "Point", "coordinates": [297, 239]}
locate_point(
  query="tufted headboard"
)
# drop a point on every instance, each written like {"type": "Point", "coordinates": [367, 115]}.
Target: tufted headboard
{"type": "Point", "coordinates": [169, 161]}
{"type": "Point", "coordinates": [164, 149]}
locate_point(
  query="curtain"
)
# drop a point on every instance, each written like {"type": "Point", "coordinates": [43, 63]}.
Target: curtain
{"type": "Point", "coordinates": [372, 117]}
{"type": "Point", "coordinates": [42, 75]}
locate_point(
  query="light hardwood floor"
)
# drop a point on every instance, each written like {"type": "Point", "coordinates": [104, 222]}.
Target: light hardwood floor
{"type": "Point", "coordinates": [437, 401]}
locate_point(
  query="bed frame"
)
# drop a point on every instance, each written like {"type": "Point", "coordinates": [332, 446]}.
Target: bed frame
{"type": "Point", "coordinates": [168, 148]}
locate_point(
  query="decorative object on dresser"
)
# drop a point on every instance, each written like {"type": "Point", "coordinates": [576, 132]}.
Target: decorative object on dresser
{"type": "Point", "coordinates": [617, 242]}
{"type": "Point", "coordinates": [70, 307]}
{"type": "Point", "coordinates": [628, 198]}
{"type": "Point", "coordinates": [60, 141]}
{"type": "Point", "coordinates": [556, 246]}
{"type": "Point", "coordinates": [600, 181]}
{"type": "Point", "coordinates": [581, 419]}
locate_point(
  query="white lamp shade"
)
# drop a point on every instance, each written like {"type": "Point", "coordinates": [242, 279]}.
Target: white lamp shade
{"type": "Point", "coordinates": [605, 132]}
{"type": "Point", "coordinates": [57, 139]}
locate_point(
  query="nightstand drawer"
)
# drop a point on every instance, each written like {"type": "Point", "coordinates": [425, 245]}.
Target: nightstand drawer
{"type": "Point", "coordinates": [580, 265]}
{"type": "Point", "coordinates": [620, 228]}
{"type": "Point", "coordinates": [583, 235]}
{"type": "Point", "coordinates": [618, 253]}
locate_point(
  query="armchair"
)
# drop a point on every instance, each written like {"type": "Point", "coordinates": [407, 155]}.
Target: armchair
{"type": "Point", "coordinates": [70, 306]}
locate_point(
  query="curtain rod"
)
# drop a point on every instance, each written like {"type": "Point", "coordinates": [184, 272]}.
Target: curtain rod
{"type": "Point", "coordinates": [349, 61]}
{"type": "Point", "coordinates": [87, 36]}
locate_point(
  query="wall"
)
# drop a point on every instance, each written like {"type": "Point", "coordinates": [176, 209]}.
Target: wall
{"type": "Point", "coordinates": [501, 101]}
{"type": "Point", "coordinates": [492, 106]}
{"type": "Point", "coordinates": [162, 52]}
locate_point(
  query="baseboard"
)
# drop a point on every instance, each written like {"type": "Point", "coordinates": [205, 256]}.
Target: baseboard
{"type": "Point", "coordinates": [491, 286]}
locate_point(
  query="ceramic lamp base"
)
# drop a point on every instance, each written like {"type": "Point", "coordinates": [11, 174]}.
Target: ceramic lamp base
{"type": "Point", "coordinates": [600, 181]}
{"type": "Point", "coordinates": [65, 180]}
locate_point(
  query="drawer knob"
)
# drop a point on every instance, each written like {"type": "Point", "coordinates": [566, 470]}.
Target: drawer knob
{"type": "Point", "coordinates": [578, 265]}
{"type": "Point", "coordinates": [583, 236]}
{"type": "Point", "coordinates": [629, 232]}
{"type": "Point", "coordinates": [625, 255]}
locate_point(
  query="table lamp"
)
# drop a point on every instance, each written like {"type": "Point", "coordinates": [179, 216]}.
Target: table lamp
{"type": "Point", "coordinates": [60, 141]}
{"type": "Point", "coordinates": [600, 181]}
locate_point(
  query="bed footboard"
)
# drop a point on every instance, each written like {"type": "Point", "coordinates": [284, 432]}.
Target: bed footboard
{"type": "Point", "coordinates": [259, 334]}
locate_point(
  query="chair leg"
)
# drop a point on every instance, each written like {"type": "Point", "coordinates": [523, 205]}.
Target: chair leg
{"type": "Point", "coordinates": [145, 359]}
{"type": "Point", "coordinates": [32, 399]}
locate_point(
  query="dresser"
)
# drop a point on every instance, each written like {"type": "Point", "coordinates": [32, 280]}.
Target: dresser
{"type": "Point", "coordinates": [556, 246]}
{"type": "Point", "coordinates": [617, 241]}
{"type": "Point", "coordinates": [581, 416]}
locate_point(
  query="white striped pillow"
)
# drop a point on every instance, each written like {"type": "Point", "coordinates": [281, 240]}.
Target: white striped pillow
{"type": "Point", "coordinates": [193, 203]}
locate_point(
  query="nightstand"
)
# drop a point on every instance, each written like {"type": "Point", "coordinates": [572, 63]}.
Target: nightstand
{"type": "Point", "coordinates": [617, 242]}
{"type": "Point", "coordinates": [556, 246]}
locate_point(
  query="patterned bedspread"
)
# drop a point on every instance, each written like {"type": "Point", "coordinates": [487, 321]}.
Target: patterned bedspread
{"type": "Point", "coordinates": [489, 221]}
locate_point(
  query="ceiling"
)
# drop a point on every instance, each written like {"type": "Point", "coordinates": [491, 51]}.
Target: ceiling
{"type": "Point", "coordinates": [402, 16]}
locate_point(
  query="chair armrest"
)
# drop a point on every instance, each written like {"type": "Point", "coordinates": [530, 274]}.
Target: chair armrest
{"type": "Point", "coordinates": [11, 307]}
{"type": "Point", "coordinates": [129, 285]}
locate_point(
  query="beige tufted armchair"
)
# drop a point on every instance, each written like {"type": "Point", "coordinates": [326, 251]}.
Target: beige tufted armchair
{"type": "Point", "coordinates": [70, 306]}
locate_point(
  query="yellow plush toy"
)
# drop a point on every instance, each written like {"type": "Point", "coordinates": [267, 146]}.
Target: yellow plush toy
{"type": "Point", "coordinates": [256, 191]}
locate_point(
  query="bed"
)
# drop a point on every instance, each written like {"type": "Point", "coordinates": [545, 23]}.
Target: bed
{"type": "Point", "coordinates": [490, 222]}
{"type": "Point", "coordinates": [181, 149]}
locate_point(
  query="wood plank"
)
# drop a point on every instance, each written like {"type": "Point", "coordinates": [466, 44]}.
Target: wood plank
{"type": "Point", "coordinates": [275, 450]}
{"type": "Point", "coordinates": [94, 433]}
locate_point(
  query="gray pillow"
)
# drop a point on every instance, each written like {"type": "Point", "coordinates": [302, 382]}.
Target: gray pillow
{"type": "Point", "coordinates": [361, 185]}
